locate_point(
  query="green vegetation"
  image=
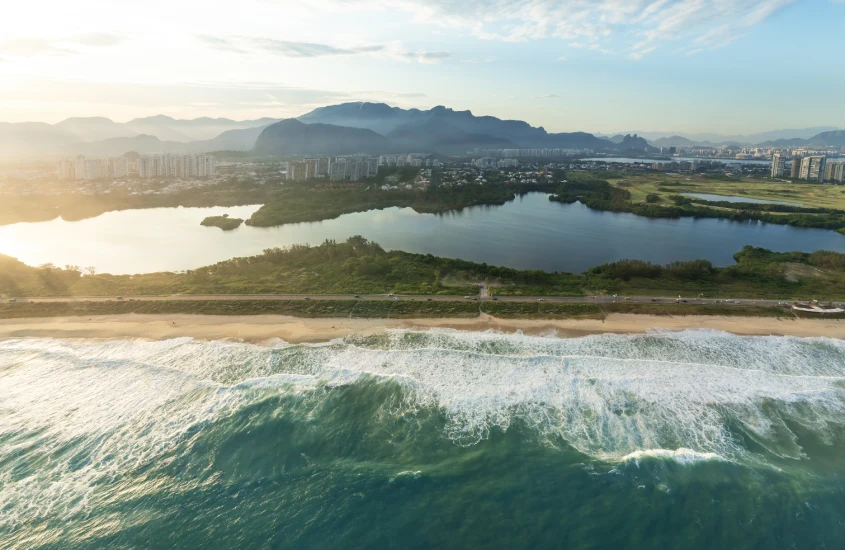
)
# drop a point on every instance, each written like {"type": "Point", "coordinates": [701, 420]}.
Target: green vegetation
{"type": "Point", "coordinates": [358, 266]}
{"type": "Point", "coordinates": [322, 202]}
{"type": "Point", "coordinates": [406, 309]}
{"type": "Point", "coordinates": [224, 222]}
{"type": "Point", "coordinates": [808, 194]}
{"type": "Point", "coordinates": [601, 195]}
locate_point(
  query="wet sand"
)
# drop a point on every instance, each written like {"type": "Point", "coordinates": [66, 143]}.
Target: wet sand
{"type": "Point", "coordinates": [260, 328]}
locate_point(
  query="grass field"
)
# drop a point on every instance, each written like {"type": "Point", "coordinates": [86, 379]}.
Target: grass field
{"type": "Point", "coordinates": [807, 194]}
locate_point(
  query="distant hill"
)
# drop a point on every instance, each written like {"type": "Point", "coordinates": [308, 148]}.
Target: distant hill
{"type": "Point", "coordinates": [33, 138]}
{"type": "Point", "coordinates": [440, 136]}
{"type": "Point", "coordinates": [712, 139]}
{"type": "Point", "coordinates": [292, 137]}
{"type": "Point", "coordinates": [835, 138]}
{"type": "Point", "coordinates": [385, 119]}
{"type": "Point", "coordinates": [673, 141]}
{"type": "Point", "coordinates": [103, 136]}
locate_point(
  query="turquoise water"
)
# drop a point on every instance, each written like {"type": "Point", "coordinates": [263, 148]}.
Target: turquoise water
{"type": "Point", "coordinates": [436, 439]}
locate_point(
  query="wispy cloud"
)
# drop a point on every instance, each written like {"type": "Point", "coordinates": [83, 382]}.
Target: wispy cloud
{"type": "Point", "coordinates": [99, 39]}
{"type": "Point", "coordinates": [288, 48]}
{"type": "Point", "coordinates": [597, 25]}
{"type": "Point", "coordinates": [219, 43]}
{"type": "Point", "coordinates": [284, 48]}
{"type": "Point", "coordinates": [426, 57]}
{"type": "Point", "coordinates": [546, 96]}
{"type": "Point", "coordinates": [310, 49]}
{"type": "Point", "coordinates": [31, 47]}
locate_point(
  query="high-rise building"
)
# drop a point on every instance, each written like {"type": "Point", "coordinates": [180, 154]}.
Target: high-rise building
{"type": "Point", "coordinates": [829, 170]}
{"type": "Point", "coordinates": [812, 168]}
{"type": "Point", "coordinates": [66, 170]}
{"type": "Point", "coordinates": [337, 170]}
{"type": "Point", "coordinates": [118, 167]}
{"type": "Point", "coordinates": [145, 167]}
{"type": "Point", "coordinates": [322, 167]}
{"type": "Point", "coordinates": [839, 176]}
{"type": "Point", "coordinates": [372, 167]}
{"type": "Point", "coordinates": [795, 171]}
{"type": "Point", "coordinates": [778, 165]}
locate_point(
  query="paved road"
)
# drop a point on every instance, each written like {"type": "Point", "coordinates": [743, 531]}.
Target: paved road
{"type": "Point", "coordinates": [435, 298]}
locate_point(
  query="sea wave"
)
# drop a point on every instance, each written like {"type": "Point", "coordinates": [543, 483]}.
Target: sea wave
{"type": "Point", "coordinates": [89, 411]}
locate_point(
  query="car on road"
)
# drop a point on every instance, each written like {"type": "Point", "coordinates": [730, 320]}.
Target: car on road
{"type": "Point", "coordinates": [357, 296]}
{"type": "Point", "coordinates": [541, 300]}
{"type": "Point", "coordinates": [495, 299]}
{"type": "Point", "coordinates": [430, 300]}
{"type": "Point", "coordinates": [12, 300]}
{"type": "Point", "coordinates": [120, 297]}
{"type": "Point", "coordinates": [307, 298]}
{"type": "Point", "coordinates": [467, 297]}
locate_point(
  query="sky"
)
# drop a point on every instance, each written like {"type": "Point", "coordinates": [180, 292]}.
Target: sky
{"type": "Point", "coordinates": [602, 66]}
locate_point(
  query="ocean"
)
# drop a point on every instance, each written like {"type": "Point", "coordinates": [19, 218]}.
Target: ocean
{"type": "Point", "coordinates": [435, 439]}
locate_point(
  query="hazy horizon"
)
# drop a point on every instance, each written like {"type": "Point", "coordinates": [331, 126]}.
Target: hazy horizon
{"type": "Point", "coordinates": [682, 65]}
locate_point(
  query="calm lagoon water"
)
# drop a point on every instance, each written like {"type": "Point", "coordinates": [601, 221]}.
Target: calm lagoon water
{"type": "Point", "coordinates": [530, 232]}
{"type": "Point", "coordinates": [736, 198]}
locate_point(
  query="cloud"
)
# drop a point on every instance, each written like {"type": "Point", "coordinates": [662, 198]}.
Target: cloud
{"type": "Point", "coordinates": [31, 47]}
{"type": "Point", "coordinates": [99, 39]}
{"type": "Point", "coordinates": [426, 57]}
{"type": "Point", "coordinates": [288, 48]}
{"type": "Point", "coordinates": [309, 49]}
{"type": "Point", "coordinates": [641, 52]}
{"type": "Point", "coordinates": [546, 96]}
{"type": "Point", "coordinates": [599, 25]}
{"type": "Point", "coordinates": [284, 48]}
{"type": "Point", "coordinates": [219, 43]}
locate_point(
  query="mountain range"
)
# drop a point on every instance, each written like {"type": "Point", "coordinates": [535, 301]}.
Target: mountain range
{"type": "Point", "coordinates": [440, 130]}
{"type": "Point", "coordinates": [713, 139]}
{"type": "Point", "coordinates": [349, 128]}
{"type": "Point", "coordinates": [103, 136]}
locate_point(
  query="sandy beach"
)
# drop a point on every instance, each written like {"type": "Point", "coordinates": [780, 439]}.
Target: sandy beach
{"type": "Point", "coordinates": [298, 330]}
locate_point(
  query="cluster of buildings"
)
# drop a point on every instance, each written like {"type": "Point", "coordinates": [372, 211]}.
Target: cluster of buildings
{"type": "Point", "coordinates": [810, 168]}
{"type": "Point", "coordinates": [534, 153]}
{"type": "Point", "coordinates": [176, 166]}
{"type": "Point", "coordinates": [351, 168]}
{"type": "Point", "coordinates": [336, 169]}
{"type": "Point", "coordinates": [685, 165]}
{"type": "Point", "coordinates": [490, 163]}
{"type": "Point", "coordinates": [82, 168]}
{"type": "Point", "coordinates": [148, 166]}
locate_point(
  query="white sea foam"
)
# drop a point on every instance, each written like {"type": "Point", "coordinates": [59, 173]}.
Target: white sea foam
{"type": "Point", "coordinates": [683, 456]}
{"type": "Point", "coordinates": [612, 397]}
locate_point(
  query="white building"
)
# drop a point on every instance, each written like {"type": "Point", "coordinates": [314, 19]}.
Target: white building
{"type": "Point", "coordinates": [812, 168]}
{"type": "Point", "coordinates": [778, 165]}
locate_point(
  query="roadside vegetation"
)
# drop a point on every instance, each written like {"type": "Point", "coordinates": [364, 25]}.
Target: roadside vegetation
{"type": "Point", "coordinates": [359, 266]}
{"type": "Point", "coordinates": [382, 310]}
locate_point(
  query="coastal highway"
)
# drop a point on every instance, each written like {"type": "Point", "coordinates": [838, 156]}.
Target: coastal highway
{"type": "Point", "coordinates": [434, 298]}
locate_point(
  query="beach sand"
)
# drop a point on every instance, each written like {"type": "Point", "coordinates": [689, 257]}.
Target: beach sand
{"type": "Point", "coordinates": [257, 328]}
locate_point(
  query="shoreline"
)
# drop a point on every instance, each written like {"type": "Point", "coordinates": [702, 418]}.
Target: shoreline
{"type": "Point", "coordinates": [297, 330]}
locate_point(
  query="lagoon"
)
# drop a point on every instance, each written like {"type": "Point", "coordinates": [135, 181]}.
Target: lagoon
{"type": "Point", "coordinates": [529, 232]}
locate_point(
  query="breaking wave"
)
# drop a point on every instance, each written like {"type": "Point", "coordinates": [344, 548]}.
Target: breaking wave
{"type": "Point", "coordinates": [74, 413]}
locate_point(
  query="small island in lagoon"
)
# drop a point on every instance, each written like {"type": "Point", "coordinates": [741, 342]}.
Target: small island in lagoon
{"type": "Point", "coordinates": [224, 222]}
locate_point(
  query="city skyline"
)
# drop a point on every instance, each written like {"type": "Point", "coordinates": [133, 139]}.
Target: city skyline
{"type": "Point", "coordinates": [680, 66]}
